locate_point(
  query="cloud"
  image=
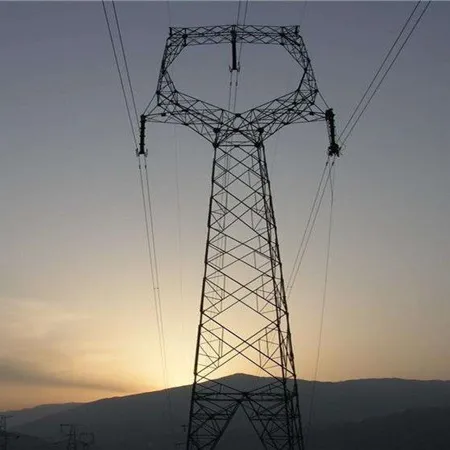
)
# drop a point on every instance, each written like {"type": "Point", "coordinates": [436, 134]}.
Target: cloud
{"type": "Point", "coordinates": [30, 318]}
{"type": "Point", "coordinates": [15, 371]}
{"type": "Point", "coordinates": [45, 345]}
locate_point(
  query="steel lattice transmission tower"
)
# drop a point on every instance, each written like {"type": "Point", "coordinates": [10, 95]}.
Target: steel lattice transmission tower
{"type": "Point", "coordinates": [76, 439]}
{"type": "Point", "coordinates": [244, 317]}
{"type": "Point", "coordinates": [4, 436]}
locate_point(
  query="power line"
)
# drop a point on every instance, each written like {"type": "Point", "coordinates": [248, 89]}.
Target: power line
{"type": "Point", "coordinates": [238, 15]}
{"type": "Point", "coordinates": [238, 12]}
{"type": "Point", "coordinates": [377, 87]}
{"type": "Point", "coordinates": [122, 84]}
{"type": "Point", "coordinates": [331, 181]}
{"type": "Point", "coordinates": [146, 199]}
{"type": "Point", "coordinates": [155, 263]}
{"type": "Point", "coordinates": [379, 69]}
{"type": "Point", "coordinates": [126, 62]}
{"type": "Point", "coordinates": [145, 192]}
{"type": "Point", "coordinates": [245, 12]}
{"type": "Point", "coordinates": [155, 277]}
{"type": "Point", "coordinates": [154, 272]}
{"type": "Point", "coordinates": [243, 23]}
{"type": "Point", "coordinates": [169, 12]}
{"type": "Point", "coordinates": [150, 255]}
{"type": "Point", "coordinates": [157, 293]}
{"type": "Point", "coordinates": [303, 13]}
{"type": "Point", "coordinates": [331, 176]}
{"type": "Point", "coordinates": [307, 233]}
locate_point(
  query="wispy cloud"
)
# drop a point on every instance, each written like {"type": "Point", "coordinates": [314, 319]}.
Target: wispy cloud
{"type": "Point", "coordinates": [46, 345]}
{"type": "Point", "coordinates": [34, 318]}
{"type": "Point", "coordinates": [15, 371]}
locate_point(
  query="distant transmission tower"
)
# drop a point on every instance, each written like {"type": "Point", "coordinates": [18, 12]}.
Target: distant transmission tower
{"type": "Point", "coordinates": [244, 318]}
{"type": "Point", "coordinates": [76, 439]}
{"type": "Point", "coordinates": [3, 432]}
{"type": "Point", "coordinates": [5, 436]}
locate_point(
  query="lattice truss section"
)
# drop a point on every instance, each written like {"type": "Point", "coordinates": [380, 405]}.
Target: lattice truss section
{"type": "Point", "coordinates": [243, 280]}
{"type": "Point", "coordinates": [244, 322]}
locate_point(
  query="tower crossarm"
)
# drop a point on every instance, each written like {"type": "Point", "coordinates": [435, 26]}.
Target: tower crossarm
{"type": "Point", "coordinates": [217, 124]}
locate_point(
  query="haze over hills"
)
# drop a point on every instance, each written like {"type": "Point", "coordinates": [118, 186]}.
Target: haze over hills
{"type": "Point", "coordinates": [342, 411]}
{"type": "Point", "coordinates": [26, 415]}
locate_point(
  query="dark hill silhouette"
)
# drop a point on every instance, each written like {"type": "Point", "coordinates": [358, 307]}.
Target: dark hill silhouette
{"type": "Point", "coordinates": [17, 441]}
{"type": "Point", "coordinates": [141, 420]}
{"type": "Point", "coordinates": [415, 429]}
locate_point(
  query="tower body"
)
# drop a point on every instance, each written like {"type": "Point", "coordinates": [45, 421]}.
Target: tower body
{"type": "Point", "coordinates": [3, 433]}
{"type": "Point", "coordinates": [244, 321]}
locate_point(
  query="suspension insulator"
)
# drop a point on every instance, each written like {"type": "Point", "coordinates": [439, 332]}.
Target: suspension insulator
{"type": "Point", "coordinates": [333, 148]}
{"type": "Point", "coordinates": [141, 151]}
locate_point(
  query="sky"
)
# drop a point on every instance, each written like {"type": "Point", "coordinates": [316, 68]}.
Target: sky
{"type": "Point", "coordinates": [76, 307]}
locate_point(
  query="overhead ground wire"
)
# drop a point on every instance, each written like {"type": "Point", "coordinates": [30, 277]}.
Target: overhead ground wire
{"type": "Point", "coordinates": [343, 138]}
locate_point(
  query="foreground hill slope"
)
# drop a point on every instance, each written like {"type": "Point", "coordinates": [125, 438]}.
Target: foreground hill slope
{"type": "Point", "coordinates": [414, 429]}
{"type": "Point", "coordinates": [145, 421]}
{"type": "Point", "coordinates": [17, 441]}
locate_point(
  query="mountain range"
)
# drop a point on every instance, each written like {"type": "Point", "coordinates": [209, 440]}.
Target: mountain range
{"type": "Point", "coordinates": [373, 414]}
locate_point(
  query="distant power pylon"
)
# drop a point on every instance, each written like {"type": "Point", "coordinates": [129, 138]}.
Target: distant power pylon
{"type": "Point", "coordinates": [5, 436]}
{"type": "Point", "coordinates": [76, 439]}
{"type": "Point", "coordinates": [3, 432]}
{"type": "Point", "coordinates": [244, 319]}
